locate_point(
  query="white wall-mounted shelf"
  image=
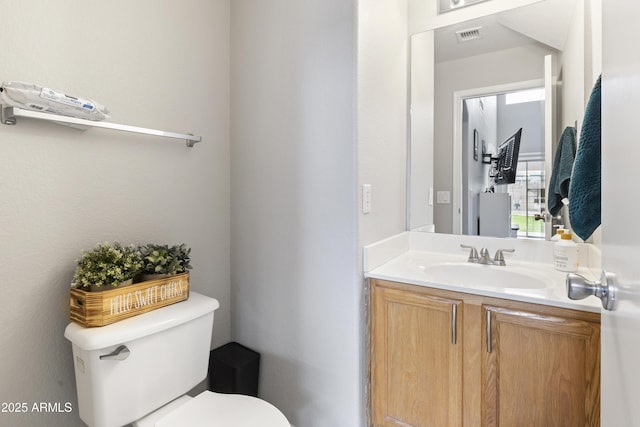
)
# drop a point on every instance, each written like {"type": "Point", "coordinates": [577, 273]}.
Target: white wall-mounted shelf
{"type": "Point", "coordinates": [10, 117]}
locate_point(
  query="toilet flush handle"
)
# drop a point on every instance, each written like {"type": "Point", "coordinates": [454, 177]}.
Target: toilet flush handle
{"type": "Point", "coordinates": [120, 353]}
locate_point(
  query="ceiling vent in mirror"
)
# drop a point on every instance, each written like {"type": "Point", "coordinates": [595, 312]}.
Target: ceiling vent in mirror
{"type": "Point", "coordinates": [468, 34]}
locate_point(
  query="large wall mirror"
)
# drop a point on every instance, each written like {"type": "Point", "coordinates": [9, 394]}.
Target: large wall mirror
{"type": "Point", "coordinates": [483, 85]}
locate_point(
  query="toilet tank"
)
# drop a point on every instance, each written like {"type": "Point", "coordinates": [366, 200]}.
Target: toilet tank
{"type": "Point", "coordinates": [168, 355]}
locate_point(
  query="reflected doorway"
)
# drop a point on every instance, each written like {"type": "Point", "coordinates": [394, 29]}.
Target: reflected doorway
{"type": "Point", "coordinates": [488, 120]}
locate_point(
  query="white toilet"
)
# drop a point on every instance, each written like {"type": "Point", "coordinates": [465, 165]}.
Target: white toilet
{"type": "Point", "coordinates": [138, 370]}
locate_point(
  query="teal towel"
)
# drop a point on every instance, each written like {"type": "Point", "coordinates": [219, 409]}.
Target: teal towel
{"type": "Point", "coordinates": [585, 186]}
{"type": "Point", "coordinates": [561, 172]}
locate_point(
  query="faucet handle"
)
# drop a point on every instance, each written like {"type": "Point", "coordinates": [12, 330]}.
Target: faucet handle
{"type": "Point", "coordinates": [499, 257]}
{"type": "Point", "coordinates": [473, 253]}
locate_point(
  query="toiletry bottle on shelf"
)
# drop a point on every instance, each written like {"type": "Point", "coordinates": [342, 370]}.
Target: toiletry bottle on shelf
{"type": "Point", "coordinates": [565, 253]}
{"type": "Point", "coordinates": [558, 234]}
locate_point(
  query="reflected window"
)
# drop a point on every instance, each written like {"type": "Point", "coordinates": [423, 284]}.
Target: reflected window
{"type": "Point", "coordinates": [522, 96]}
{"type": "Point", "coordinates": [528, 195]}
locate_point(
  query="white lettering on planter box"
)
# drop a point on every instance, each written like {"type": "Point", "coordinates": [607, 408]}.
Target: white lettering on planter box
{"type": "Point", "coordinates": [170, 290]}
{"type": "Point", "coordinates": [145, 297]}
{"type": "Point", "coordinates": [121, 304]}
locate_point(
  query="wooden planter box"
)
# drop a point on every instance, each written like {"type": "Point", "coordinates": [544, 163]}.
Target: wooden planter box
{"type": "Point", "coordinates": [104, 307]}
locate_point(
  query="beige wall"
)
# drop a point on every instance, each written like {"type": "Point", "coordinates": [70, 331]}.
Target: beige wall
{"type": "Point", "coordinates": [297, 294]}
{"type": "Point", "coordinates": [155, 64]}
{"type": "Point", "coordinates": [382, 116]}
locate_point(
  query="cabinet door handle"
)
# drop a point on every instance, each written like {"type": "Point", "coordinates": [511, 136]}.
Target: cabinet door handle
{"type": "Point", "coordinates": [488, 331]}
{"type": "Point", "coordinates": [454, 323]}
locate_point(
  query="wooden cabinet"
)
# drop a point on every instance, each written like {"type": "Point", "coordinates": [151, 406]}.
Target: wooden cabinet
{"type": "Point", "coordinates": [417, 370]}
{"type": "Point", "coordinates": [441, 358]}
{"type": "Point", "coordinates": [540, 369]}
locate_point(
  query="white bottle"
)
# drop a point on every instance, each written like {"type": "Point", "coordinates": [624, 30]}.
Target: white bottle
{"type": "Point", "coordinates": [565, 253]}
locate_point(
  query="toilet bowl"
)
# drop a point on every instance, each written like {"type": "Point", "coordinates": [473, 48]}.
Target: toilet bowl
{"type": "Point", "coordinates": [138, 371]}
{"type": "Point", "coordinates": [210, 409]}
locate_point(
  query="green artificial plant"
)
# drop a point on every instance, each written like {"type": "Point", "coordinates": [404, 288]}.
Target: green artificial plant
{"type": "Point", "coordinates": [107, 265]}
{"type": "Point", "coordinates": [165, 259]}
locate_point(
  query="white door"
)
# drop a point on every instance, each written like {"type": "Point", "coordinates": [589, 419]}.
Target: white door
{"type": "Point", "coordinates": [621, 211]}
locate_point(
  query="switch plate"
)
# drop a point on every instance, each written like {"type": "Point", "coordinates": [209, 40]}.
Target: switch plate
{"type": "Point", "coordinates": [443, 197]}
{"type": "Point", "coordinates": [366, 198]}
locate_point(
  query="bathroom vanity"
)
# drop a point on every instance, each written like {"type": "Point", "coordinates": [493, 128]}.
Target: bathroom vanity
{"type": "Point", "coordinates": [445, 352]}
{"type": "Point", "coordinates": [450, 358]}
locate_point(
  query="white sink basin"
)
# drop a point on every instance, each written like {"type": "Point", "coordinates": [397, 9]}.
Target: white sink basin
{"type": "Point", "coordinates": [486, 276]}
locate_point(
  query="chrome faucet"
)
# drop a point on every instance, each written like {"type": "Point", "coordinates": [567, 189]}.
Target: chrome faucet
{"type": "Point", "coordinates": [484, 257]}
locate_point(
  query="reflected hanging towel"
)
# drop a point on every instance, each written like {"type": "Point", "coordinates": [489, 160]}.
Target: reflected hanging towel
{"type": "Point", "coordinates": [561, 172]}
{"type": "Point", "coordinates": [585, 186]}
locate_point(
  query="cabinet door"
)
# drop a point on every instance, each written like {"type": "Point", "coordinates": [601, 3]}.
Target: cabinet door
{"type": "Point", "coordinates": [540, 370]}
{"type": "Point", "coordinates": [416, 364]}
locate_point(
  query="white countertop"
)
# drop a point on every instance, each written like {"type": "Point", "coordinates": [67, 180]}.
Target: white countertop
{"type": "Point", "coordinates": [411, 263]}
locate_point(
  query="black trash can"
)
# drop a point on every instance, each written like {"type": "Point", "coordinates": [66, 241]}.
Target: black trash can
{"type": "Point", "coordinates": [234, 368]}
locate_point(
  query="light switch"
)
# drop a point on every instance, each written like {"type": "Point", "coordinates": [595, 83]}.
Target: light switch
{"type": "Point", "coordinates": [443, 197]}
{"type": "Point", "coordinates": [366, 198]}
